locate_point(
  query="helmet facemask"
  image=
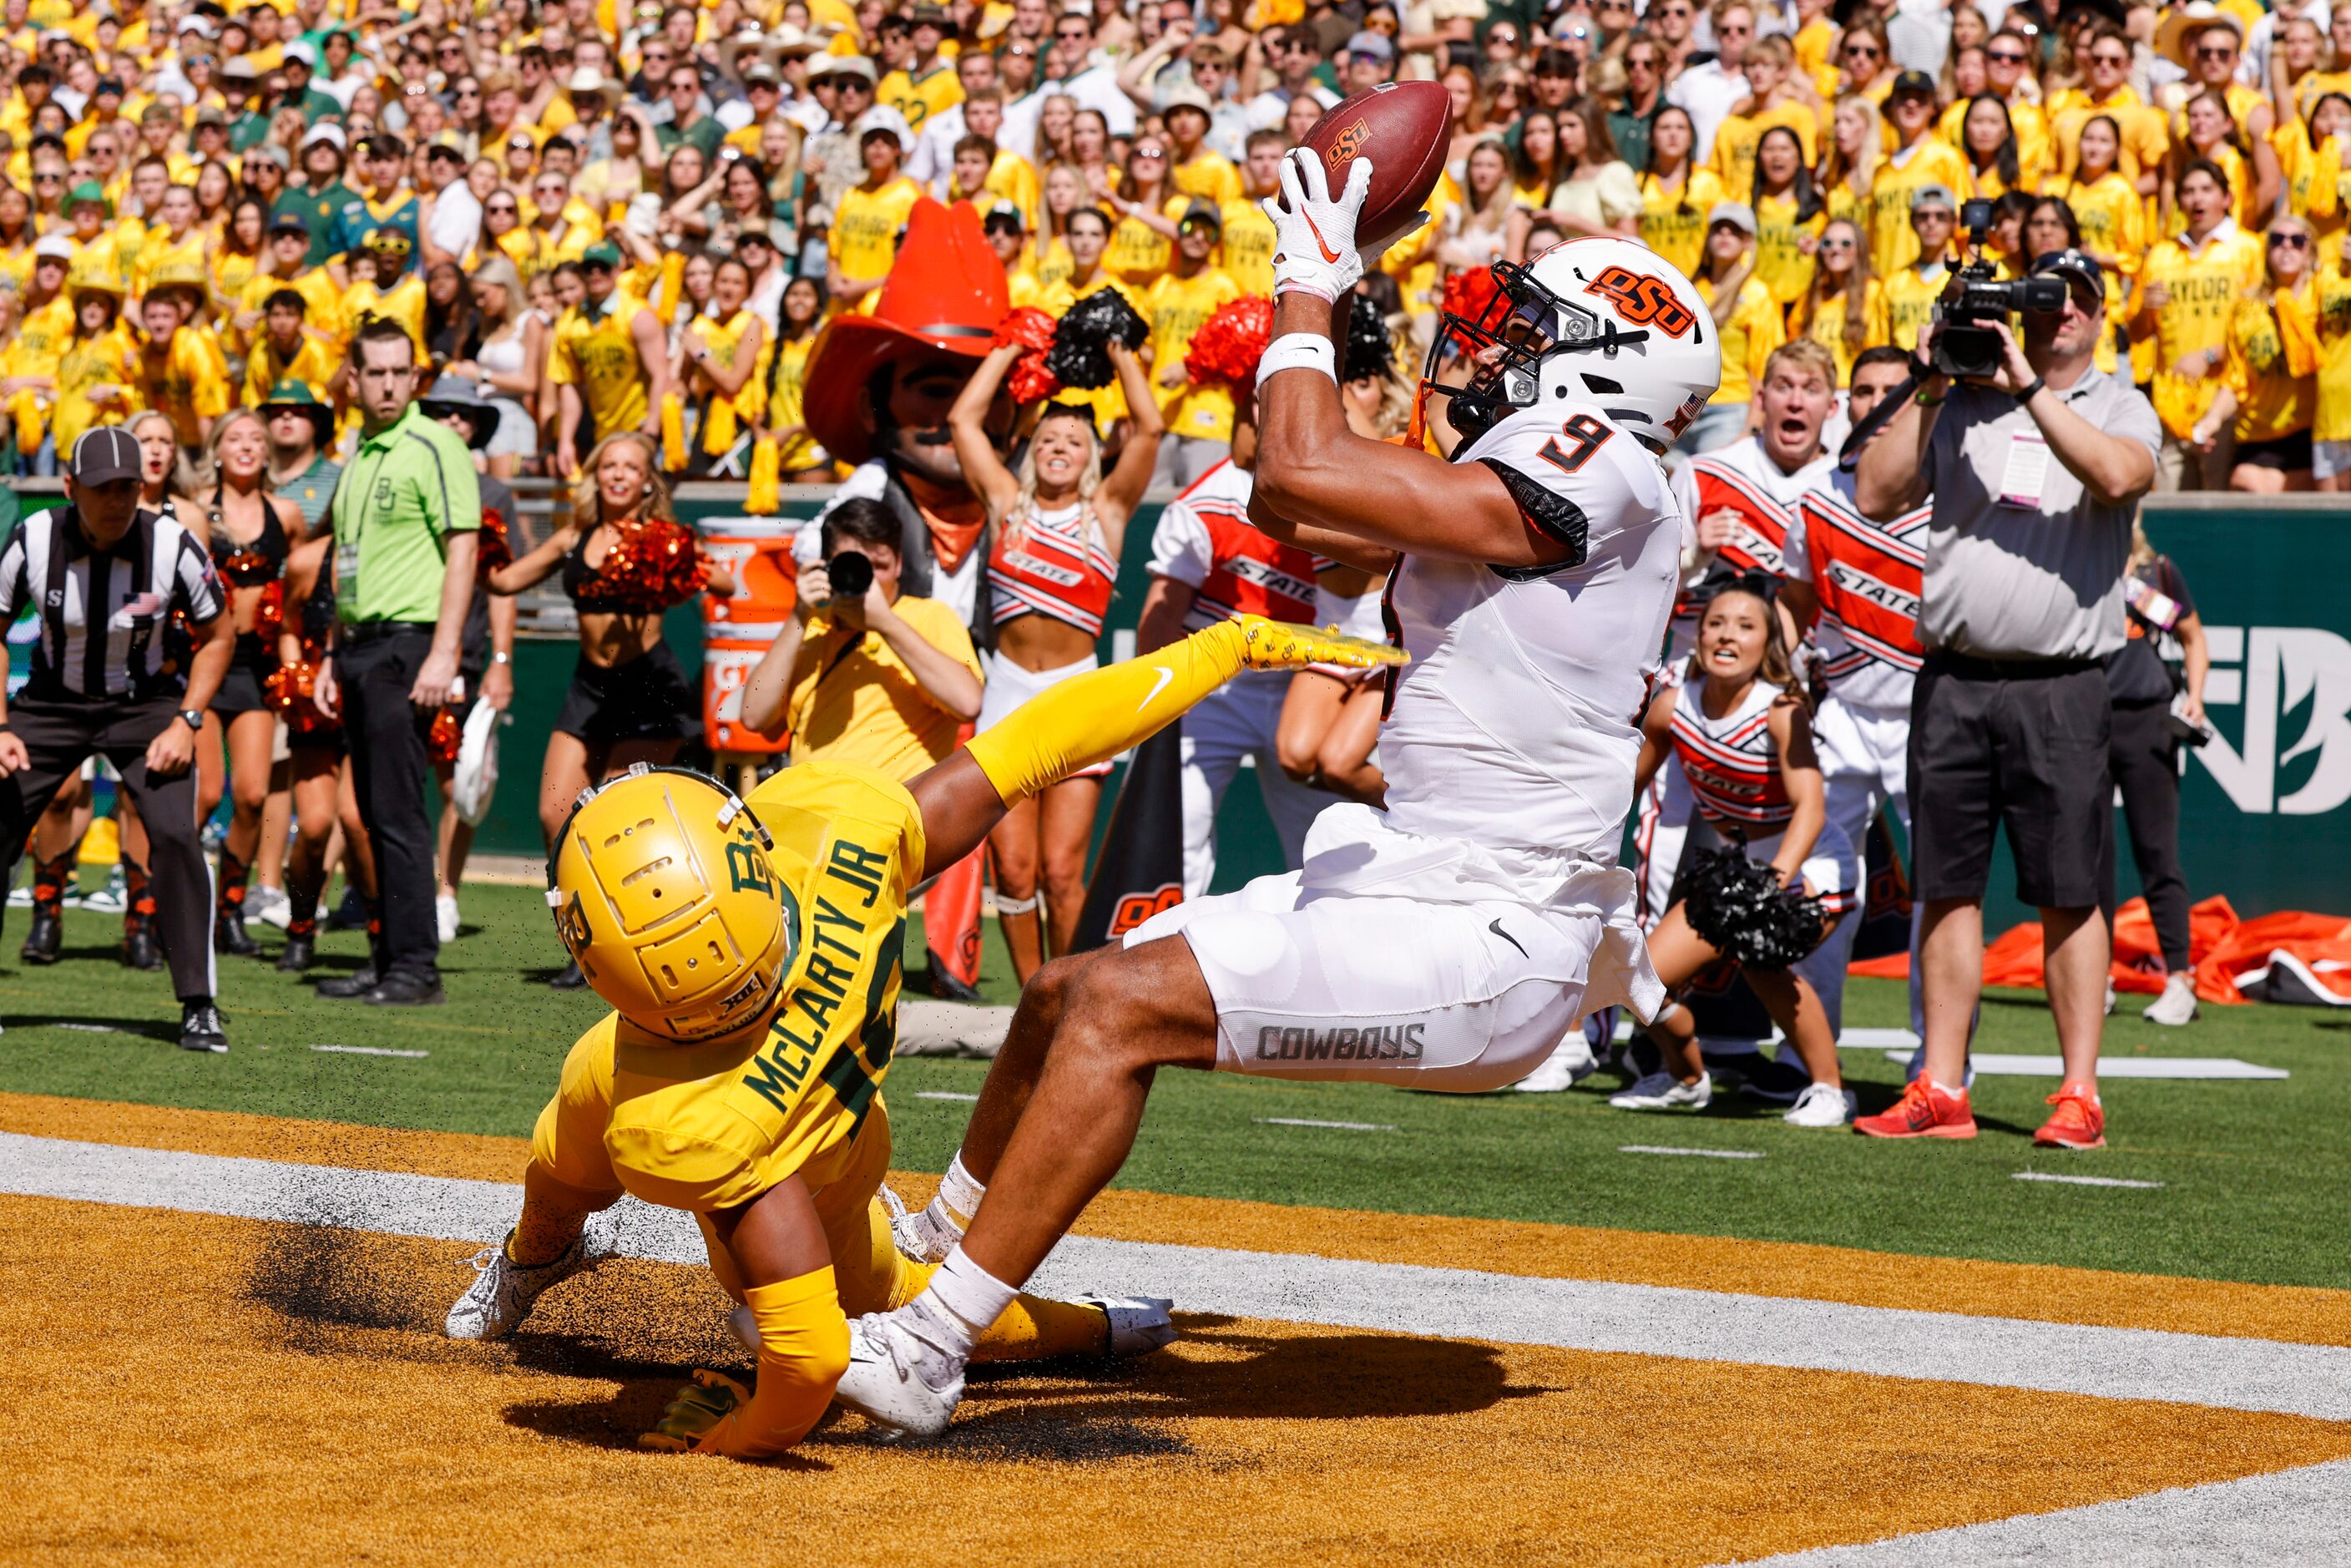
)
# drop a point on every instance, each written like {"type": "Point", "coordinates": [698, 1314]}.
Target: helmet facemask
{"type": "Point", "coordinates": [1522, 327]}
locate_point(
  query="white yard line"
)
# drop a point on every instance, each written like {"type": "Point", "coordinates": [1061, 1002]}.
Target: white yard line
{"type": "Point", "coordinates": [1996, 1064]}
{"type": "Point", "coordinates": [368, 1051]}
{"type": "Point", "coordinates": [1706, 1153]}
{"type": "Point", "coordinates": [1393, 1298]}
{"type": "Point", "coordinates": [2083, 1180]}
{"type": "Point", "coordinates": [1307, 1122]}
{"type": "Point", "coordinates": [946, 1094]}
{"type": "Point", "coordinates": [2286, 1517]}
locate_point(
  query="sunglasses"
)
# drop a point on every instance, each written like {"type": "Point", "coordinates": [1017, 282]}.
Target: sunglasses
{"type": "Point", "coordinates": [2005, 59]}
{"type": "Point", "coordinates": [2224, 52]}
{"type": "Point", "coordinates": [1146, 155]}
{"type": "Point", "coordinates": [2292, 242]}
{"type": "Point", "coordinates": [498, 207]}
{"type": "Point", "coordinates": [2115, 60]}
{"type": "Point", "coordinates": [1837, 245]}
{"type": "Point", "coordinates": [1868, 51]}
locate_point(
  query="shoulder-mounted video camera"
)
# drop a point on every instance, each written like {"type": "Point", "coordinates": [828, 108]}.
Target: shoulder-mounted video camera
{"type": "Point", "coordinates": [1966, 346]}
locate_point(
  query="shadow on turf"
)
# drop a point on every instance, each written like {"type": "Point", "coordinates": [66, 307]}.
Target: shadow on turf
{"type": "Point", "coordinates": [144, 1028]}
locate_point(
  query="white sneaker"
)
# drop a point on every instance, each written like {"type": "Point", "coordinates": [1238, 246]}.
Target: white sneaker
{"type": "Point", "coordinates": [112, 899]}
{"type": "Point", "coordinates": [926, 1237]}
{"type": "Point", "coordinates": [899, 1380]}
{"type": "Point", "coordinates": [1664, 1091]}
{"type": "Point", "coordinates": [444, 914]}
{"type": "Point", "coordinates": [2177, 1006]}
{"type": "Point", "coordinates": [21, 897]}
{"type": "Point", "coordinates": [502, 1292]}
{"type": "Point", "coordinates": [1138, 1324]}
{"type": "Point", "coordinates": [1821, 1106]}
{"type": "Point", "coordinates": [1569, 1063]}
{"type": "Point", "coordinates": [269, 906]}
{"type": "Point", "coordinates": [2110, 996]}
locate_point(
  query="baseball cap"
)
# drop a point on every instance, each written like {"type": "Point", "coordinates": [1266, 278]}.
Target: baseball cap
{"type": "Point", "coordinates": [240, 70]}
{"type": "Point", "coordinates": [108, 84]}
{"type": "Point", "coordinates": [2071, 264]}
{"type": "Point", "coordinates": [1200, 210]}
{"type": "Point", "coordinates": [301, 53]}
{"type": "Point", "coordinates": [755, 236]}
{"type": "Point", "coordinates": [326, 133]}
{"type": "Point", "coordinates": [845, 66]}
{"type": "Point", "coordinates": [212, 114]}
{"type": "Point", "coordinates": [601, 254]}
{"type": "Point", "coordinates": [1738, 215]}
{"type": "Point", "coordinates": [289, 223]}
{"type": "Point", "coordinates": [882, 119]}
{"type": "Point", "coordinates": [53, 247]}
{"type": "Point", "coordinates": [1917, 82]}
{"type": "Point", "coordinates": [88, 191]}
{"type": "Point", "coordinates": [1934, 196]}
{"type": "Point", "coordinates": [104, 456]}
{"type": "Point", "coordinates": [1003, 213]}
{"type": "Point", "coordinates": [1188, 97]}
{"type": "Point", "coordinates": [1375, 45]}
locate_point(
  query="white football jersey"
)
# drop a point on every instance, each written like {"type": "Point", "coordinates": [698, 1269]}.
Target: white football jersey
{"type": "Point", "coordinates": [1515, 725]}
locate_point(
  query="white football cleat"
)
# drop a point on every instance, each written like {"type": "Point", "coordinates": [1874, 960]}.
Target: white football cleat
{"type": "Point", "coordinates": [1138, 1324]}
{"type": "Point", "coordinates": [1664, 1091]}
{"type": "Point", "coordinates": [2177, 1006]}
{"type": "Point", "coordinates": [269, 906]}
{"type": "Point", "coordinates": [1569, 1063]}
{"type": "Point", "coordinates": [1821, 1106]}
{"type": "Point", "coordinates": [503, 1290]}
{"type": "Point", "coordinates": [927, 1236]}
{"type": "Point", "coordinates": [901, 1382]}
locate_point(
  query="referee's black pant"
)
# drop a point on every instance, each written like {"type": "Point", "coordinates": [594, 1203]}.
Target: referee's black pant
{"type": "Point", "coordinates": [374, 669]}
{"type": "Point", "coordinates": [60, 735]}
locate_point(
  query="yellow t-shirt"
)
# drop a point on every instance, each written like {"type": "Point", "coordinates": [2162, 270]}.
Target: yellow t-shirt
{"type": "Point", "coordinates": [1109, 403]}
{"type": "Point", "coordinates": [2203, 286]}
{"type": "Point", "coordinates": [41, 336]}
{"type": "Point", "coordinates": [1735, 141]}
{"type": "Point", "coordinates": [854, 700]}
{"type": "Point", "coordinates": [1910, 297]}
{"type": "Point", "coordinates": [1813, 42]}
{"type": "Point", "coordinates": [1893, 243]}
{"type": "Point", "coordinates": [160, 251]}
{"type": "Point", "coordinates": [863, 240]}
{"type": "Point", "coordinates": [404, 302]}
{"type": "Point", "coordinates": [600, 357]}
{"type": "Point", "coordinates": [1826, 327]}
{"type": "Point", "coordinates": [323, 303]}
{"type": "Point", "coordinates": [1014, 178]}
{"type": "Point", "coordinates": [1207, 174]}
{"type": "Point", "coordinates": [111, 359]}
{"type": "Point", "coordinates": [1176, 306]}
{"type": "Point", "coordinates": [725, 340]}
{"type": "Point", "coordinates": [1246, 252]}
{"type": "Point", "coordinates": [785, 408]}
{"type": "Point", "coordinates": [2146, 139]}
{"type": "Point", "coordinates": [1781, 259]}
{"type": "Point", "coordinates": [1673, 222]}
{"type": "Point", "coordinates": [2032, 129]}
{"type": "Point", "coordinates": [2333, 419]}
{"type": "Point", "coordinates": [713, 1126]}
{"type": "Point", "coordinates": [190, 383]}
{"type": "Point", "coordinates": [939, 90]}
{"type": "Point", "coordinates": [2271, 401]}
{"type": "Point", "coordinates": [314, 364]}
{"type": "Point", "coordinates": [1139, 253]}
{"type": "Point", "coordinates": [1748, 340]}
{"type": "Point", "coordinates": [1054, 265]}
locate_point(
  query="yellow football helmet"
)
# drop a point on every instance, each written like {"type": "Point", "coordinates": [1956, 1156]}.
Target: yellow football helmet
{"type": "Point", "coordinates": [664, 893]}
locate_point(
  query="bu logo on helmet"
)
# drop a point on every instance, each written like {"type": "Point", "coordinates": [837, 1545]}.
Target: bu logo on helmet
{"type": "Point", "coordinates": [1643, 299]}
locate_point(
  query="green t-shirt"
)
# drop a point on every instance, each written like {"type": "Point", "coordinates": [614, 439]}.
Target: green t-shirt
{"type": "Point", "coordinates": [335, 215]}
{"type": "Point", "coordinates": [409, 485]}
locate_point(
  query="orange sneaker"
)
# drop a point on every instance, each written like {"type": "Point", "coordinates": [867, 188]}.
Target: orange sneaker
{"type": "Point", "coordinates": [1925, 1110]}
{"type": "Point", "coordinates": [2078, 1123]}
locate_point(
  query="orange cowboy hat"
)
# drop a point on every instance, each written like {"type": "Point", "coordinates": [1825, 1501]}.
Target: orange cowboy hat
{"type": "Point", "coordinates": [942, 298]}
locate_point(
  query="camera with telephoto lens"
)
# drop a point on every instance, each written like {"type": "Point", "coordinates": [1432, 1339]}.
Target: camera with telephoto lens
{"type": "Point", "coordinates": [1966, 346]}
{"type": "Point", "coordinates": [851, 575]}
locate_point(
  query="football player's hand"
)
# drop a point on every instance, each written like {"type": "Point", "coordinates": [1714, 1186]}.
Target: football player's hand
{"type": "Point", "coordinates": [697, 1410]}
{"type": "Point", "coordinates": [1315, 230]}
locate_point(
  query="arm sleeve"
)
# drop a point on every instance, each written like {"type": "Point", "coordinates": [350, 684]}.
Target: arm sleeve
{"type": "Point", "coordinates": [194, 583]}
{"type": "Point", "coordinates": [1793, 553]}
{"type": "Point", "coordinates": [14, 592]}
{"type": "Point", "coordinates": [803, 1351]}
{"type": "Point", "coordinates": [1181, 551]}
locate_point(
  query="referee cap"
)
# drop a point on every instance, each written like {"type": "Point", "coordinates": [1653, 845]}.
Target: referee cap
{"type": "Point", "coordinates": [105, 455]}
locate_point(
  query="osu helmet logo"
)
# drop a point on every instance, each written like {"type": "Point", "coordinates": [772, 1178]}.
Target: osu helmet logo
{"type": "Point", "coordinates": [1137, 907]}
{"type": "Point", "coordinates": [1643, 299]}
{"type": "Point", "coordinates": [1350, 141]}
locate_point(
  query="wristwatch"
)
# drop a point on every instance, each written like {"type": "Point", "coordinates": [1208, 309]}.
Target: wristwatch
{"type": "Point", "coordinates": [498, 658]}
{"type": "Point", "coordinates": [194, 718]}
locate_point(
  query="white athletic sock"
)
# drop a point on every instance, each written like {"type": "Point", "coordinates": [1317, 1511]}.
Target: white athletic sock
{"type": "Point", "coordinates": [966, 1297]}
{"type": "Point", "coordinates": [959, 1194]}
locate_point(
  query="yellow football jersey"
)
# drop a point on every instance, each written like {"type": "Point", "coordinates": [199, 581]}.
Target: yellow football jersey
{"type": "Point", "coordinates": [2332, 416]}
{"type": "Point", "coordinates": [2273, 402]}
{"type": "Point", "coordinates": [1246, 251]}
{"type": "Point", "coordinates": [2201, 288]}
{"type": "Point", "coordinates": [600, 357]}
{"type": "Point", "coordinates": [709, 1127]}
{"type": "Point", "coordinates": [189, 383]}
{"type": "Point", "coordinates": [1673, 222]}
{"type": "Point", "coordinates": [863, 240]}
{"type": "Point", "coordinates": [1175, 308]}
{"type": "Point", "coordinates": [108, 362]}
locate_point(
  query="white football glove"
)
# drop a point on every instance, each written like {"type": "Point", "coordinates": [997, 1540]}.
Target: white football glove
{"type": "Point", "coordinates": [1314, 232]}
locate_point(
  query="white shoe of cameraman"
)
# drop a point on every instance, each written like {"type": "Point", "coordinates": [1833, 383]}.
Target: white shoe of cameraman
{"type": "Point", "coordinates": [2177, 1006]}
{"type": "Point", "coordinates": [1569, 1064]}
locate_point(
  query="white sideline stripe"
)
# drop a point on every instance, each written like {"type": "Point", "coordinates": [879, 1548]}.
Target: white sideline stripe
{"type": "Point", "coordinates": [2287, 1516]}
{"type": "Point", "coordinates": [1994, 1064]}
{"type": "Point", "coordinates": [369, 1050]}
{"type": "Point", "coordinates": [2082, 1181]}
{"type": "Point", "coordinates": [1666, 1149]}
{"type": "Point", "coordinates": [1388, 1298]}
{"type": "Point", "coordinates": [945, 1094]}
{"type": "Point", "coordinates": [1307, 1122]}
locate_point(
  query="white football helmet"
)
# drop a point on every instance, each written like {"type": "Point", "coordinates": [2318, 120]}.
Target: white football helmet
{"type": "Point", "coordinates": [1601, 320]}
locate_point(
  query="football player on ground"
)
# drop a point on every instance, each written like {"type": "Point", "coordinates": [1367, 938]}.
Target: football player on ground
{"type": "Point", "coordinates": [1447, 942]}
{"type": "Point", "coordinates": [751, 955]}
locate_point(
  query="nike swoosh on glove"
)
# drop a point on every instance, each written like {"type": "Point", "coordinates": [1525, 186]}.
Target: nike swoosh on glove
{"type": "Point", "coordinates": [1314, 232]}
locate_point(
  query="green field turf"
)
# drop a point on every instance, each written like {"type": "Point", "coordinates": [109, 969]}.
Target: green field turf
{"type": "Point", "coordinates": [2254, 1173]}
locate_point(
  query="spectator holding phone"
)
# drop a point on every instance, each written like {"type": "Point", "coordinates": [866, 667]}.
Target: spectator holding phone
{"type": "Point", "coordinates": [872, 676]}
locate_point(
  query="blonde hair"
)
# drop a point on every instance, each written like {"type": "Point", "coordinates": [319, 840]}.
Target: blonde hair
{"type": "Point", "coordinates": [1834, 170]}
{"type": "Point", "coordinates": [1805, 353]}
{"type": "Point", "coordinates": [501, 271]}
{"type": "Point", "coordinates": [588, 502]}
{"type": "Point", "coordinates": [1822, 288]}
{"type": "Point", "coordinates": [2142, 553]}
{"type": "Point", "coordinates": [1024, 506]}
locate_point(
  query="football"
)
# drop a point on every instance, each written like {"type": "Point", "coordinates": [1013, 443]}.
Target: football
{"type": "Point", "coordinates": [1402, 126]}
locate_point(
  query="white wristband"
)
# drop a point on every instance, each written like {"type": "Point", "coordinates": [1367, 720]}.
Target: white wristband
{"type": "Point", "coordinates": [1296, 351]}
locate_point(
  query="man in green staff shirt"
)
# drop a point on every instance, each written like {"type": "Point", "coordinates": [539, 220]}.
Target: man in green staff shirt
{"type": "Point", "coordinates": [405, 517]}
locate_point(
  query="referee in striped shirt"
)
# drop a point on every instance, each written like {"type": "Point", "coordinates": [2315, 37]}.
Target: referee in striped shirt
{"type": "Point", "coordinates": [106, 577]}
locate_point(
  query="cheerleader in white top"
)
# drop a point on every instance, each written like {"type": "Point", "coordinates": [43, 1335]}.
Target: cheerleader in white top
{"type": "Point", "coordinates": [1741, 731]}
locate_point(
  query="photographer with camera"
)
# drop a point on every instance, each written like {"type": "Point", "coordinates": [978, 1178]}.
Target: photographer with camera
{"type": "Point", "coordinates": [863, 672]}
{"type": "Point", "coordinates": [2036, 460]}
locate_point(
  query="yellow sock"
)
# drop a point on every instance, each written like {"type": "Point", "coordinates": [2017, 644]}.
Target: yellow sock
{"type": "Point", "coordinates": [803, 1351]}
{"type": "Point", "coordinates": [1098, 715]}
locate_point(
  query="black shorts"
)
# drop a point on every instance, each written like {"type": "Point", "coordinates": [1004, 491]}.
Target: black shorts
{"type": "Point", "coordinates": [644, 699]}
{"type": "Point", "coordinates": [2287, 454]}
{"type": "Point", "coordinates": [245, 689]}
{"type": "Point", "coordinates": [2020, 747]}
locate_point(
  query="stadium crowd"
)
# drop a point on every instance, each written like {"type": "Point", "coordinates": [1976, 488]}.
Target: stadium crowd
{"type": "Point", "coordinates": [619, 248]}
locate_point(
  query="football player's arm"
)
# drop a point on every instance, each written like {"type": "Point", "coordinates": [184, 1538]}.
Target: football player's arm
{"type": "Point", "coordinates": [1314, 471]}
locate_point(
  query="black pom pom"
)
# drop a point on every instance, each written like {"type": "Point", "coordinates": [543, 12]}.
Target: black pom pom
{"type": "Point", "coordinates": [1370, 351]}
{"type": "Point", "coordinates": [1741, 908]}
{"type": "Point", "coordinates": [1080, 356]}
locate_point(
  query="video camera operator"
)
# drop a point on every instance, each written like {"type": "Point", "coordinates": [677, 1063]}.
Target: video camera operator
{"type": "Point", "coordinates": [2036, 469]}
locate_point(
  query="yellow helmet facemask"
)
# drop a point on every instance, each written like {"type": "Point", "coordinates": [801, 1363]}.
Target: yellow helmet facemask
{"type": "Point", "coordinates": [663, 891]}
